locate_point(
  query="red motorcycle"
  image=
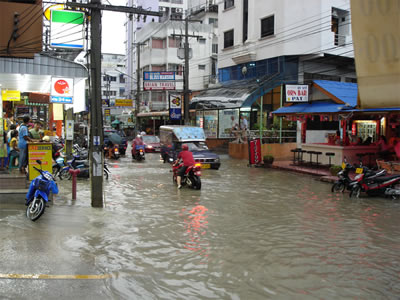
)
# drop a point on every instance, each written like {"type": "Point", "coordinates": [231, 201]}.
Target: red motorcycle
{"type": "Point", "coordinates": [191, 178]}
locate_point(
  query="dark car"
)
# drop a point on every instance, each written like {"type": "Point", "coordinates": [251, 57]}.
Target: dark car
{"type": "Point", "coordinates": [151, 143]}
{"type": "Point", "coordinates": [122, 147]}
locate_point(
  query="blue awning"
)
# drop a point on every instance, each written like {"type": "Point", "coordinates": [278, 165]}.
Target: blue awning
{"type": "Point", "coordinates": [346, 92]}
{"type": "Point", "coordinates": [316, 107]}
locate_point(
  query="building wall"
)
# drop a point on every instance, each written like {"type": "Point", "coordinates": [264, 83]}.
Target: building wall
{"type": "Point", "coordinates": [301, 27]}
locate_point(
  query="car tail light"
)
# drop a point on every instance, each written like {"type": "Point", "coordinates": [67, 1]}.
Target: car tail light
{"type": "Point", "coordinates": [198, 165]}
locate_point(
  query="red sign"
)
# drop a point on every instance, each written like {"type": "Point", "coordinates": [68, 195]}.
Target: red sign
{"type": "Point", "coordinates": [255, 152]}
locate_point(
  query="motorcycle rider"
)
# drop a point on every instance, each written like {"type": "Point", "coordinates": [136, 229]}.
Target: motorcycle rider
{"type": "Point", "coordinates": [136, 142]}
{"type": "Point", "coordinates": [187, 157]}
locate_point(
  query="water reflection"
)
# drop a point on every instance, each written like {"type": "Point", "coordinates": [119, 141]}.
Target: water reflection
{"type": "Point", "coordinates": [196, 226]}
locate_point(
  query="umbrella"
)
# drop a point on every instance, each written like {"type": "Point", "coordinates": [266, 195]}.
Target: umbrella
{"type": "Point", "coordinates": [115, 138]}
{"type": "Point", "coordinates": [115, 122]}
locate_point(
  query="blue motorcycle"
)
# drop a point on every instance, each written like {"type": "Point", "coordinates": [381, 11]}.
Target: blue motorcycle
{"type": "Point", "coordinates": [38, 193]}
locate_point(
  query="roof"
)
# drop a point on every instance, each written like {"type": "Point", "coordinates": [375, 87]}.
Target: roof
{"type": "Point", "coordinates": [186, 133]}
{"type": "Point", "coordinates": [312, 107]}
{"type": "Point", "coordinates": [344, 92]}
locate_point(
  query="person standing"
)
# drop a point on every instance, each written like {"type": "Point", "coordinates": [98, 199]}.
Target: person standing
{"type": "Point", "coordinates": [23, 144]}
{"type": "Point", "coordinates": [243, 127]}
{"type": "Point", "coordinates": [35, 131]}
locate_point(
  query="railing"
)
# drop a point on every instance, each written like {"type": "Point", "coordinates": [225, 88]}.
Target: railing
{"type": "Point", "coordinates": [268, 136]}
{"type": "Point", "coordinates": [209, 79]}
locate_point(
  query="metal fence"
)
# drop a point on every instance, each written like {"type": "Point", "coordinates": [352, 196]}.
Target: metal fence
{"type": "Point", "coordinates": [274, 136]}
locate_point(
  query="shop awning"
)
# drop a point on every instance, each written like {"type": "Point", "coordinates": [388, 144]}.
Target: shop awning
{"type": "Point", "coordinates": [340, 92]}
{"type": "Point", "coordinates": [240, 94]}
{"type": "Point", "coordinates": [316, 107]}
{"type": "Point", "coordinates": [154, 114]}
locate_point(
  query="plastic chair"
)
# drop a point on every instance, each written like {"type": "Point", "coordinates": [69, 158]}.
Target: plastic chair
{"type": "Point", "coordinates": [11, 162]}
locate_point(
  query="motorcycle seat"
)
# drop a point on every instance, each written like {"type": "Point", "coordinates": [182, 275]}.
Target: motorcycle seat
{"type": "Point", "coordinates": [386, 178]}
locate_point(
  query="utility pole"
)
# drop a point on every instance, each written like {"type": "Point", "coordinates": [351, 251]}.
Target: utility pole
{"type": "Point", "coordinates": [137, 100]}
{"type": "Point", "coordinates": [96, 113]}
{"type": "Point", "coordinates": [186, 74]}
{"type": "Point", "coordinates": [96, 116]}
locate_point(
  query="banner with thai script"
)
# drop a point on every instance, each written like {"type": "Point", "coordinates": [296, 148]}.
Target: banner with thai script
{"type": "Point", "coordinates": [296, 93]}
{"type": "Point", "coordinates": [255, 152]}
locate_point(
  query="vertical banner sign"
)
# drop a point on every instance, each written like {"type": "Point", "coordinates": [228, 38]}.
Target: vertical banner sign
{"type": "Point", "coordinates": [255, 152]}
{"type": "Point", "coordinates": [375, 26]}
{"type": "Point", "coordinates": [42, 152]}
{"type": "Point", "coordinates": [62, 90]}
{"type": "Point", "coordinates": [175, 107]}
{"type": "Point", "coordinates": [66, 29]}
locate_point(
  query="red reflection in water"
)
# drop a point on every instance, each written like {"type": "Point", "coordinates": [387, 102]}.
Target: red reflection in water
{"type": "Point", "coordinates": [196, 226]}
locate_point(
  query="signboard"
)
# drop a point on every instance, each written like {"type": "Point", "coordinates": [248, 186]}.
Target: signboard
{"type": "Point", "coordinates": [375, 27]}
{"type": "Point", "coordinates": [175, 107]}
{"type": "Point", "coordinates": [42, 152]}
{"type": "Point", "coordinates": [227, 120]}
{"type": "Point", "coordinates": [211, 123]}
{"type": "Point", "coordinates": [62, 90]}
{"type": "Point", "coordinates": [161, 76]}
{"type": "Point", "coordinates": [255, 152]}
{"type": "Point", "coordinates": [66, 29]}
{"type": "Point", "coordinates": [11, 95]}
{"type": "Point", "coordinates": [158, 85]}
{"type": "Point", "coordinates": [296, 93]}
{"type": "Point", "coordinates": [123, 102]}
{"type": "Point", "coordinates": [107, 112]}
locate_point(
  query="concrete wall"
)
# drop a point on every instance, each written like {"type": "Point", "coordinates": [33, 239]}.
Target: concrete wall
{"type": "Point", "coordinates": [278, 151]}
{"type": "Point", "coordinates": [215, 143]}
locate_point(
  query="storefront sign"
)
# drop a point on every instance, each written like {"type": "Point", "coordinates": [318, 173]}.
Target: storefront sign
{"type": "Point", "coordinates": [40, 152]}
{"type": "Point", "coordinates": [296, 93]}
{"type": "Point", "coordinates": [175, 107]}
{"type": "Point", "coordinates": [255, 152]}
{"type": "Point", "coordinates": [66, 29]}
{"type": "Point", "coordinates": [227, 120]}
{"type": "Point", "coordinates": [11, 95]}
{"type": "Point", "coordinates": [210, 123]}
{"type": "Point", "coordinates": [158, 85]}
{"type": "Point", "coordinates": [123, 102]}
{"type": "Point", "coordinates": [162, 76]}
{"type": "Point", "coordinates": [107, 112]}
{"type": "Point", "coordinates": [62, 90]}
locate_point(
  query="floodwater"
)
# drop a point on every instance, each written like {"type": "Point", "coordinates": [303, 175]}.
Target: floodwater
{"type": "Point", "coordinates": [247, 234]}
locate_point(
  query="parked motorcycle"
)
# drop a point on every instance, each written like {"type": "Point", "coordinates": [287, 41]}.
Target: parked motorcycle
{"type": "Point", "coordinates": [38, 193]}
{"type": "Point", "coordinates": [58, 167]}
{"type": "Point", "coordinates": [344, 179]}
{"type": "Point", "coordinates": [375, 184]}
{"type": "Point", "coordinates": [191, 178]}
{"type": "Point", "coordinates": [83, 166]}
{"type": "Point", "coordinates": [139, 154]}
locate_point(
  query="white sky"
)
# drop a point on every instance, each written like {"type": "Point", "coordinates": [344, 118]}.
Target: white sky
{"type": "Point", "coordinates": [113, 30]}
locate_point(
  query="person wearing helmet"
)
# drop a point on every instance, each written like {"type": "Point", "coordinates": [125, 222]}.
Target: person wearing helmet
{"type": "Point", "coordinates": [187, 157]}
{"type": "Point", "coordinates": [136, 142]}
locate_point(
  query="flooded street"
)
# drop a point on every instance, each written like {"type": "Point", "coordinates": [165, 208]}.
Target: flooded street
{"type": "Point", "coordinates": [247, 234]}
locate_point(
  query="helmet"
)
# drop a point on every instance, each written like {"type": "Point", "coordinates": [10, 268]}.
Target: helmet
{"type": "Point", "coordinates": [185, 147]}
{"type": "Point", "coordinates": [46, 138]}
{"type": "Point", "coordinates": [139, 136]}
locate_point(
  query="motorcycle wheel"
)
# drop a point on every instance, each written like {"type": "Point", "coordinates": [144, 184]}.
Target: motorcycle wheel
{"type": "Point", "coordinates": [196, 182]}
{"type": "Point", "coordinates": [338, 187]}
{"type": "Point", "coordinates": [35, 208]}
{"type": "Point", "coordinates": [65, 175]}
{"type": "Point", "coordinates": [355, 192]}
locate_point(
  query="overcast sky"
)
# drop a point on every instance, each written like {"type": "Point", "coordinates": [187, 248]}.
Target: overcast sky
{"type": "Point", "coordinates": [113, 33]}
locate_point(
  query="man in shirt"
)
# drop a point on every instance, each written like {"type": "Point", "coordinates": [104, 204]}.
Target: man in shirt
{"type": "Point", "coordinates": [23, 144]}
{"type": "Point", "coordinates": [35, 131]}
{"type": "Point", "coordinates": [187, 157]}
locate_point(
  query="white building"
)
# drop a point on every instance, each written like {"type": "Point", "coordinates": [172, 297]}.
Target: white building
{"type": "Point", "coordinates": [113, 81]}
{"type": "Point", "coordinates": [160, 53]}
{"type": "Point", "coordinates": [259, 37]}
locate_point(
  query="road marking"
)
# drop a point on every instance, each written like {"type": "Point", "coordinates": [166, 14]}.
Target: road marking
{"type": "Point", "coordinates": [46, 276]}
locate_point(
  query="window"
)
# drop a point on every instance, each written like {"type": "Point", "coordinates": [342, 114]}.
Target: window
{"type": "Point", "coordinates": [175, 68]}
{"type": "Point", "coordinates": [158, 68]}
{"type": "Point", "coordinates": [228, 3]}
{"type": "Point", "coordinates": [158, 43]}
{"type": "Point", "coordinates": [174, 42]}
{"type": "Point", "coordinates": [202, 67]}
{"type": "Point", "coordinates": [202, 41]}
{"type": "Point", "coordinates": [268, 26]}
{"type": "Point", "coordinates": [245, 20]}
{"type": "Point", "coordinates": [215, 48]}
{"type": "Point", "coordinates": [228, 39]}
{"type": "Point", "coordinates": [213, 21]}
{"type": "Point", "coordinates": [121, 92]}
{"type": "Point", "coordinates": [121, 78]}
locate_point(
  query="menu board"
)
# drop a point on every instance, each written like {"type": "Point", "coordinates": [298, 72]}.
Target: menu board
{"type": "Point", "coordinates": [42, 152]}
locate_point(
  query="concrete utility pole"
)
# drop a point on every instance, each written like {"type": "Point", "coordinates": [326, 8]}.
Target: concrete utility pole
{"type": "Point", "coordinates": [96, 113]}
{"type": "Point", "coordinates": [186, 74]}
{"type": "Point", "coordinates": [68, 143]}
{"type": "Point", "coordinates": [137, 100]}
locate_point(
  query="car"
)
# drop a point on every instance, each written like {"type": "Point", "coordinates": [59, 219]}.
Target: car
{"type": "Point", "coordinates": [122, 147]}
{"type": "Point", "coordinates": [151, 143]}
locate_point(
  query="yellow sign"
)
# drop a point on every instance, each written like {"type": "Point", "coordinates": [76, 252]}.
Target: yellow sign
{"type": "Point", "coordinates": [42, 152]}
{"type": "Point", "coordinates": [11, 95]}
{"type": "Point", "coordinates": [359, 170]}
{"type": "Point", "coordinates": [48, 10]}
{"type": "Point", "coordinates": [123, 102]}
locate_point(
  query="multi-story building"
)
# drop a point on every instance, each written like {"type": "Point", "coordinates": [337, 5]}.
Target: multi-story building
{"type": "Point", "coordinates": [113, 81]}
{"type": "Point", "coordinates": [259, 37]}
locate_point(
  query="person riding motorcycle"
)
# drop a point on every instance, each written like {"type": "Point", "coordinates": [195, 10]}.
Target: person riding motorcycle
{"type": "Point", "coordinates": [136, 142]}
{"type": "Point", "coordinates": [187, 157]}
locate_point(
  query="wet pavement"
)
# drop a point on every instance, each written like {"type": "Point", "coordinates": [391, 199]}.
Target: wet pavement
{"type": "Point", "coordinates": [247, 234]}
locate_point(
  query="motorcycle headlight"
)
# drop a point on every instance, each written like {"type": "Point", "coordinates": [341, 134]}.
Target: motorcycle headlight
{"type": "Point", "coordinates": [48, 176]}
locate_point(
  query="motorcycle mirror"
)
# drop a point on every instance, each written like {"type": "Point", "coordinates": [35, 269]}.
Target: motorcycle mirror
{"type": "Point", "coordinates": [39, 162]}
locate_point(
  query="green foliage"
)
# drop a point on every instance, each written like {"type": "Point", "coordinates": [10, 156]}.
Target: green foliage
{"type": "Point", "coordinates": [335, 169]}
{"type": "Point", "coordinates": [268, 159]}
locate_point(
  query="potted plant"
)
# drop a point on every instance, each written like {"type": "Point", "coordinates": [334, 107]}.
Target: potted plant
{"type": "Point", "coordinates": [268, 160]}
{"type": "Point", "coordinates": [334, 170]}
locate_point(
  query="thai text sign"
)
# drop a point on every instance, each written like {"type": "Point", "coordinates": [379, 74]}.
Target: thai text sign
{"type": "Point", "coordinates": [123, 102]}
{"type": "Point", "coordinates": [42, 152]}
{"type": "Point", "coordinates": [296, 93]}
{"type": "Point", "coordinates": [161, 76]}
{"type": "Point", "coordinates": [175, 108]}
{"type": "Point", "coordinates": [62, 90]}
{"type": "Point", "coordinates": [158, 85]}
{"type": "Point", "coordinates": [11, 95]}
{"type": "Point", "coordinates": [255, 152]}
